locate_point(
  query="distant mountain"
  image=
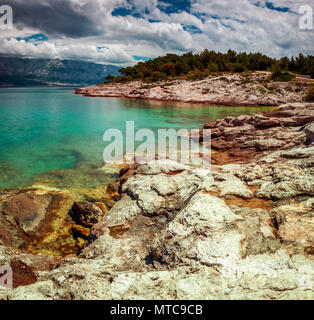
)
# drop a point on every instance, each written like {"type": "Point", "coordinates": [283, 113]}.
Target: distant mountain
{"type": "Point", "coordinates": [24, 72]}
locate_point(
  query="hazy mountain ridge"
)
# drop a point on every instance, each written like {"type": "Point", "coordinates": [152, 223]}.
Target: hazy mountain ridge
{"type": "Point", "coordinates": [18, 71]}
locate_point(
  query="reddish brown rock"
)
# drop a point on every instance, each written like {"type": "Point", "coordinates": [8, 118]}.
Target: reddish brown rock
{"type": "Point", "coordinates": [28, 210]}
{"type": "Point", "coordinates": [86, 214]}
{"type": "Point", "coordinates": [114, 188]}
{"type": "Point", "coordinates": [6, 237]}
{"type": "Point", "coordinates": [23, 275]}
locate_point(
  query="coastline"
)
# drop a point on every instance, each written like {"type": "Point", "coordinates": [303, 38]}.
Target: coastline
{"type": "Point", "coordinates": [252, 89]}
{"type": "Point", "coordinates": [199, 102]}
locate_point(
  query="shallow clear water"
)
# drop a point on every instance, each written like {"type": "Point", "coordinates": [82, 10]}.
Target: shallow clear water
{"type": "Point", "coordinates": [43, 129]}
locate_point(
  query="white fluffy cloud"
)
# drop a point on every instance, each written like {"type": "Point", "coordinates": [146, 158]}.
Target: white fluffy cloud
{"type": "Point", "coordinates": [252, 26]}
{"type": "Point", "coordinates": [88, 30]}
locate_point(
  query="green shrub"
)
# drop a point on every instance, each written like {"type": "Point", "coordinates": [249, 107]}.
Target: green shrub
{"type": "Point", "coordinates": [310, 95]}
{"type": "Point", "coordinates": [238, 67]}
{"type": "Point", "coordinates": [262, 89]}
{"type": "Point", "coordinates": [157, 75]}
{"type": "Point", "coordinates": [282, 76]}
{"type": "Point", "coordinates": [195, 75]}
{"type": "Point", "coordinates": [273, 89]}
{"type": "Point", "coordinates": [110, 78]}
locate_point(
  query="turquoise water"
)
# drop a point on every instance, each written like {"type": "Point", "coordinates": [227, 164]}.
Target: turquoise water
{"type": "Point", "coordinates": [44, 129]}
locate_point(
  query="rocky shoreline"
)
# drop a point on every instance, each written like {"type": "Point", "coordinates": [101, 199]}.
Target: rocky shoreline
{"type": "Point", "coordinates": [253, 89]}
{"type": "Point", "coordinates": [163, 230]}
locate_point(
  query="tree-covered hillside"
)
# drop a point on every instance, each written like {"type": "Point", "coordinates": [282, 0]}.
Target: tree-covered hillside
{"type": "Point", "coordinates": [198, 66]}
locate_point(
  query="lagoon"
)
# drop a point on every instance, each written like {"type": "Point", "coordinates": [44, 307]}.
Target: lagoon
{"type": "Point", "coordinates": [45, 128]}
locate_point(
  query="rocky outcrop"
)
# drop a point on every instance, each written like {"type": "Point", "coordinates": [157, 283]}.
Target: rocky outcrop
{"type": "Point", "coordinates": [243, 138]}
{"type": "Point", "coordinates": [225, 89]}
{"type": "Point", "coordinates": [240, 231]}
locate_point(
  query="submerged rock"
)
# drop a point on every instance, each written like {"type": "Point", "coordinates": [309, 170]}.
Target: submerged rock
{"type": "Point", "coordinates": [87, 175]}
{"type": "Point", "coordinates": [37, 219]}
{"type": "Point", "coordinates": [86, 214]}
{"type": "Point", "coordinates": [28, 210]}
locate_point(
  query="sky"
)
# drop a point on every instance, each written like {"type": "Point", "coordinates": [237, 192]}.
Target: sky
{"type": "Point", "coordinates": [123, 32]}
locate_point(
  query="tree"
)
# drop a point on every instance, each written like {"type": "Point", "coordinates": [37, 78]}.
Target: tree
{"type": "Point", "coordinates": [284, 63]}
{"type": "Point", "coordinates": [276, 71]}
{"type": "Point", "coordinates": [312, 72]}
{"type": "Point", "coordinates": [238, 67]}
{"type": "Point", "coordinates": [110, 78]}
{"type": "Point", "coordinates": [205, 58]}
{"type": "Point", "coordinates": [157, 76]}
{"type": "Point", "coordinates": [181, 67]}
{"type": "Point", "coordinates": [232, 55]}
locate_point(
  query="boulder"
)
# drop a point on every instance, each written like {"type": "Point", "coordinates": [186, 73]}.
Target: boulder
{"type": "Point", "coordinates": [86, 214]}
{"type": "Point", "coordinates": [28, 210]}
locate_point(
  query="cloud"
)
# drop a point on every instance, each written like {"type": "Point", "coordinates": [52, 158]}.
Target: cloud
{"type": "Point", "coordinates": [114, 31]}
{"type": "Point", "coordinates": [56, 17]}
{"type": "Point", "coordinates": [72, 51]}
{"type": "Point", "coordinates": [255, 26]}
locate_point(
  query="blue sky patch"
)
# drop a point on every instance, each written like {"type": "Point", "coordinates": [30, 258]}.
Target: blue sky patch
{"type": "Point", "coordinates": [174, 6]}
{"type": "Point", "coordinates": [139, 58]}
{"type": "Point", "coordinates": [270, 5]}
{"type": "Point", "coordinates": [100, 48]}
{"type": "Point", "coordinates": [202, 16]}
{"type": "Point", "coordinates": [192, 29]}
{"type": "Point", "coordinates": [167, 6]}
{"type": "Point", "coordinates": [154, 20]}
{"type": "Point", "coordinates": [35, 38]}
{"type": "Point", "coordinates": [125, 12]}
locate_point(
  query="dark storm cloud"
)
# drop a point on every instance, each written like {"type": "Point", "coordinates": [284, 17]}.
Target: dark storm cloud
{"type": "Point", "coordinates": [53, 17]}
